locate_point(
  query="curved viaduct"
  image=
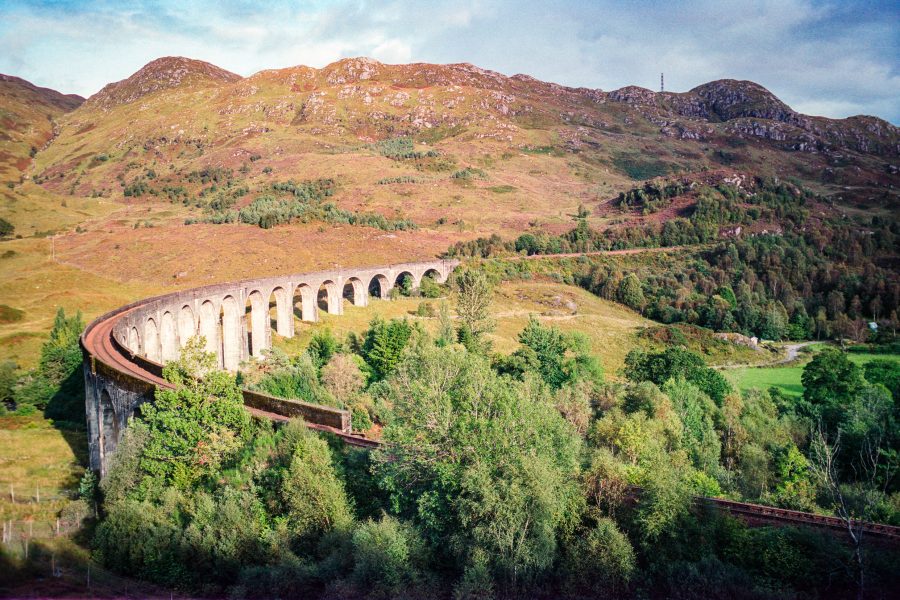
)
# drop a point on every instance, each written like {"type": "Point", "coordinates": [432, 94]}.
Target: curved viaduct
{"type": "Point", "coordinates": [124, 350]}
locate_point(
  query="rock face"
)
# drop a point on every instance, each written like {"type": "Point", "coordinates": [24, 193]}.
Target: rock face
{"type": "Point", "coordinates": [162, 73]}
{"type": "Point", "coordinates": [746, 109]}
{"type": "Point", "coordinates": [728, 99]}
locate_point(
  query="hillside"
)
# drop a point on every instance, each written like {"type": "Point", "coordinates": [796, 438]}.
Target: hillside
{"type": "Point", "coordinates": [533, 151]}
{"type": "Point", "coordinates": [27, 113]}
{"type": "Point", "coordinates": [424, 155]}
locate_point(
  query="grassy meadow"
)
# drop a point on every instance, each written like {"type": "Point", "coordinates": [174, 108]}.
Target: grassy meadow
{"type": "Point", "coordinates": [610, 327]}
{"type": "Point", "coordinates": [787, 378]}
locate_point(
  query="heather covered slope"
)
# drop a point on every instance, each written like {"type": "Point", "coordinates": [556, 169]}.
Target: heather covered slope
{"type": "Point", "coordinates": [27, 113]}
{"type": "Point", "coordinates": [531, 151]}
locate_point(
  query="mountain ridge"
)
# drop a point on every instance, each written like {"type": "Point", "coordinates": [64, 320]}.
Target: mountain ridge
{"type": "Point", "coordinates": [179, 116]}
{"type": "Point", "coordinates": [720, 95]}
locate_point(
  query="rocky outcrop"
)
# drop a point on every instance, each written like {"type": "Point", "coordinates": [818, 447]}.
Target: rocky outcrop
{"type": "Point", "coordinates": [163, 73]}
{"type": "Point", "coordinates": [746, 109]}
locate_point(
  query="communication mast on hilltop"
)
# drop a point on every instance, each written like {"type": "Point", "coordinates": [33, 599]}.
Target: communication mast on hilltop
{"type": "Point", "coordinates": [662, 87]}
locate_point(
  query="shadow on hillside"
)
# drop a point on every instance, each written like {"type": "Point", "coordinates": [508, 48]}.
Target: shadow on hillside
{"type": "Point", "coordinates": [66, 410]}
{"type": "Point", "coordinates": [55, 570]}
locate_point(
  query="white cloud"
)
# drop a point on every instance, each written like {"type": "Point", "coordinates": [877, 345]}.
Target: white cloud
{"type": "Point", "coordinates": [838, 58]}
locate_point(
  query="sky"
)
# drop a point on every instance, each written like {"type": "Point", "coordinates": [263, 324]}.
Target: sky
{"type": "Point", "coordinates": [835, 59]}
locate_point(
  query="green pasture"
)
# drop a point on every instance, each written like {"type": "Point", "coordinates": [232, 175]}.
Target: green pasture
{"type": "Point", "coordinates": [787, 378]}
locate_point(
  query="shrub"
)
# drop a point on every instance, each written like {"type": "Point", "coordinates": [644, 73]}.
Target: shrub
{"type": "Point", "coordinates": [425, 309]}
{"type": "Point", "coordinates": [600, 560]}
{"type": "Point", "coordinates": [8, 314]}
{"type": "Point", "coordinates": [6, 228]}
{"type": "Point", "coordinates": [342, 377]}
{"type": "Point", "coordinates": [430, 288]}
{"type": "Point", "coordinates": [469, 173]}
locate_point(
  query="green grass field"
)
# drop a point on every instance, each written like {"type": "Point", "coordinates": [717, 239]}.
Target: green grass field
{"type": "Point", "coordinates": [787, 378]}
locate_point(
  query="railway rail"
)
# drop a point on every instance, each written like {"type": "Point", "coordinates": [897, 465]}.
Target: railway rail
{"type": "Point", "coordinates": [782, 516]}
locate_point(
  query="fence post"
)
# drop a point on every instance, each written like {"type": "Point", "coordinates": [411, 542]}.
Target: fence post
{"type": "Point", "coordinates": [12, 494]}
{"type": "Point", "coordinates": [37, 493]}
{"type": "Point", "coordinates": [57, 526]}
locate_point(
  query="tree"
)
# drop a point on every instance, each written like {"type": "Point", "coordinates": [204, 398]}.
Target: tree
{"type": "Point", "coordinates": [696, 411]}
{"type": "Point", "coordinates": [794, 487]}
{"type": "Point", "coordinates": [830, 382]}
{"type": "Point", "coordinates": [384, 344]}
{"type": "Point", "coordinates": [853, 507]}
{"type": "Point", "coordinates": [446, 334]}
{"type": "Point", "coordinates": [549, 346]}
{"type": "Point", "coordinates": [631, 294]}
{"type": "Point", "coordinates": [775, 322]}
{"type": "Point", "coordinates": [387, 557]}
{"type": "Point", "coordinates": [659, 367]}
{"type": "Point", "coordinates": [886, 372]}
{"type": "Point", "coordinates": [342, 377]}
{"type": "Point", "coordinates": [8, 380]}
{"type": "Point", "coordinates": [474, 294]}
{"type": "Point", "coordinates": [559, 358]}
{"type": "Point", "coordinates": [322, 347]}
{"type": "Point", "coordinates": [312, 494]}
{"type": "Point", "coordinates": [600, 560]}
{"type": "Point", "coordinates": [481, 463]}
{"type": "Point", "coordinates": [835, 304]}
{"type": "Point", "coordinates": [57, 385]}
{"type": "Point", "coordinates": [728, 294]}
{"type": "Point", "coordinates": [195, 427]}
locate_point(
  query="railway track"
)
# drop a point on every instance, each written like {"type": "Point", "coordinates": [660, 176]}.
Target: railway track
{"type": "Point", "coordinates": [784, 516]}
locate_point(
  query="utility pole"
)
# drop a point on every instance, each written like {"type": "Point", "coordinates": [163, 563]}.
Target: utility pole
{"type": "Point", "coordinates": [662, 86]}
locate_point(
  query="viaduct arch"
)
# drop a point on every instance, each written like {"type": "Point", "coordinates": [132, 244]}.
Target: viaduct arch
{"type": "Point", "coordinates": [125, 349]}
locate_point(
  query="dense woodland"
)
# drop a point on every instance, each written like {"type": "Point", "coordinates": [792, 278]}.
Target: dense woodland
{"type": "Point", "coordinates": [500, 475]}
{"type": "Point", "coordinates": [816, 279]}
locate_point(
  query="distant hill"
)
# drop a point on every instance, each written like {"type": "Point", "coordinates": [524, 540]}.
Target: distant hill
{"type": "Point", "coordinates": [26, 121]}
{"type": "Point", "coordinates": [539, 149]}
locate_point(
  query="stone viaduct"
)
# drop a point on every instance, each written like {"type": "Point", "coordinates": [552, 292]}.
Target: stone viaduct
{"type": "Point", "coordinates": [125, 349]}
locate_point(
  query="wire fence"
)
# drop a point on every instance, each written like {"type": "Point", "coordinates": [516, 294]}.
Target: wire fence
{"type": "Point", "coordinates": [18, 531]}
{"type": "Point", "coordinates": [30, 541]}
{"type": "Point", "coordinates": [17, 537]}
{"type": "Point", "coordinates": [20, 494]}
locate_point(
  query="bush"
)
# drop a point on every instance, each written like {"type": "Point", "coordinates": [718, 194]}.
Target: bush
{"type": "Point", "coordinates": [425, 309]}
{"type": "Point", "coordinates": [6, 228]}
{"type": "Point", "coordinates": [430, 288]}
{"type": "Point", "coordinates": [386, 557]}
{"type": "Point", "coordinates": [600, 560]}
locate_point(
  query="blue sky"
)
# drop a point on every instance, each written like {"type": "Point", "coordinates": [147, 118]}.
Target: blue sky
{"type": "Point", "coordinates": [827, 58]}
